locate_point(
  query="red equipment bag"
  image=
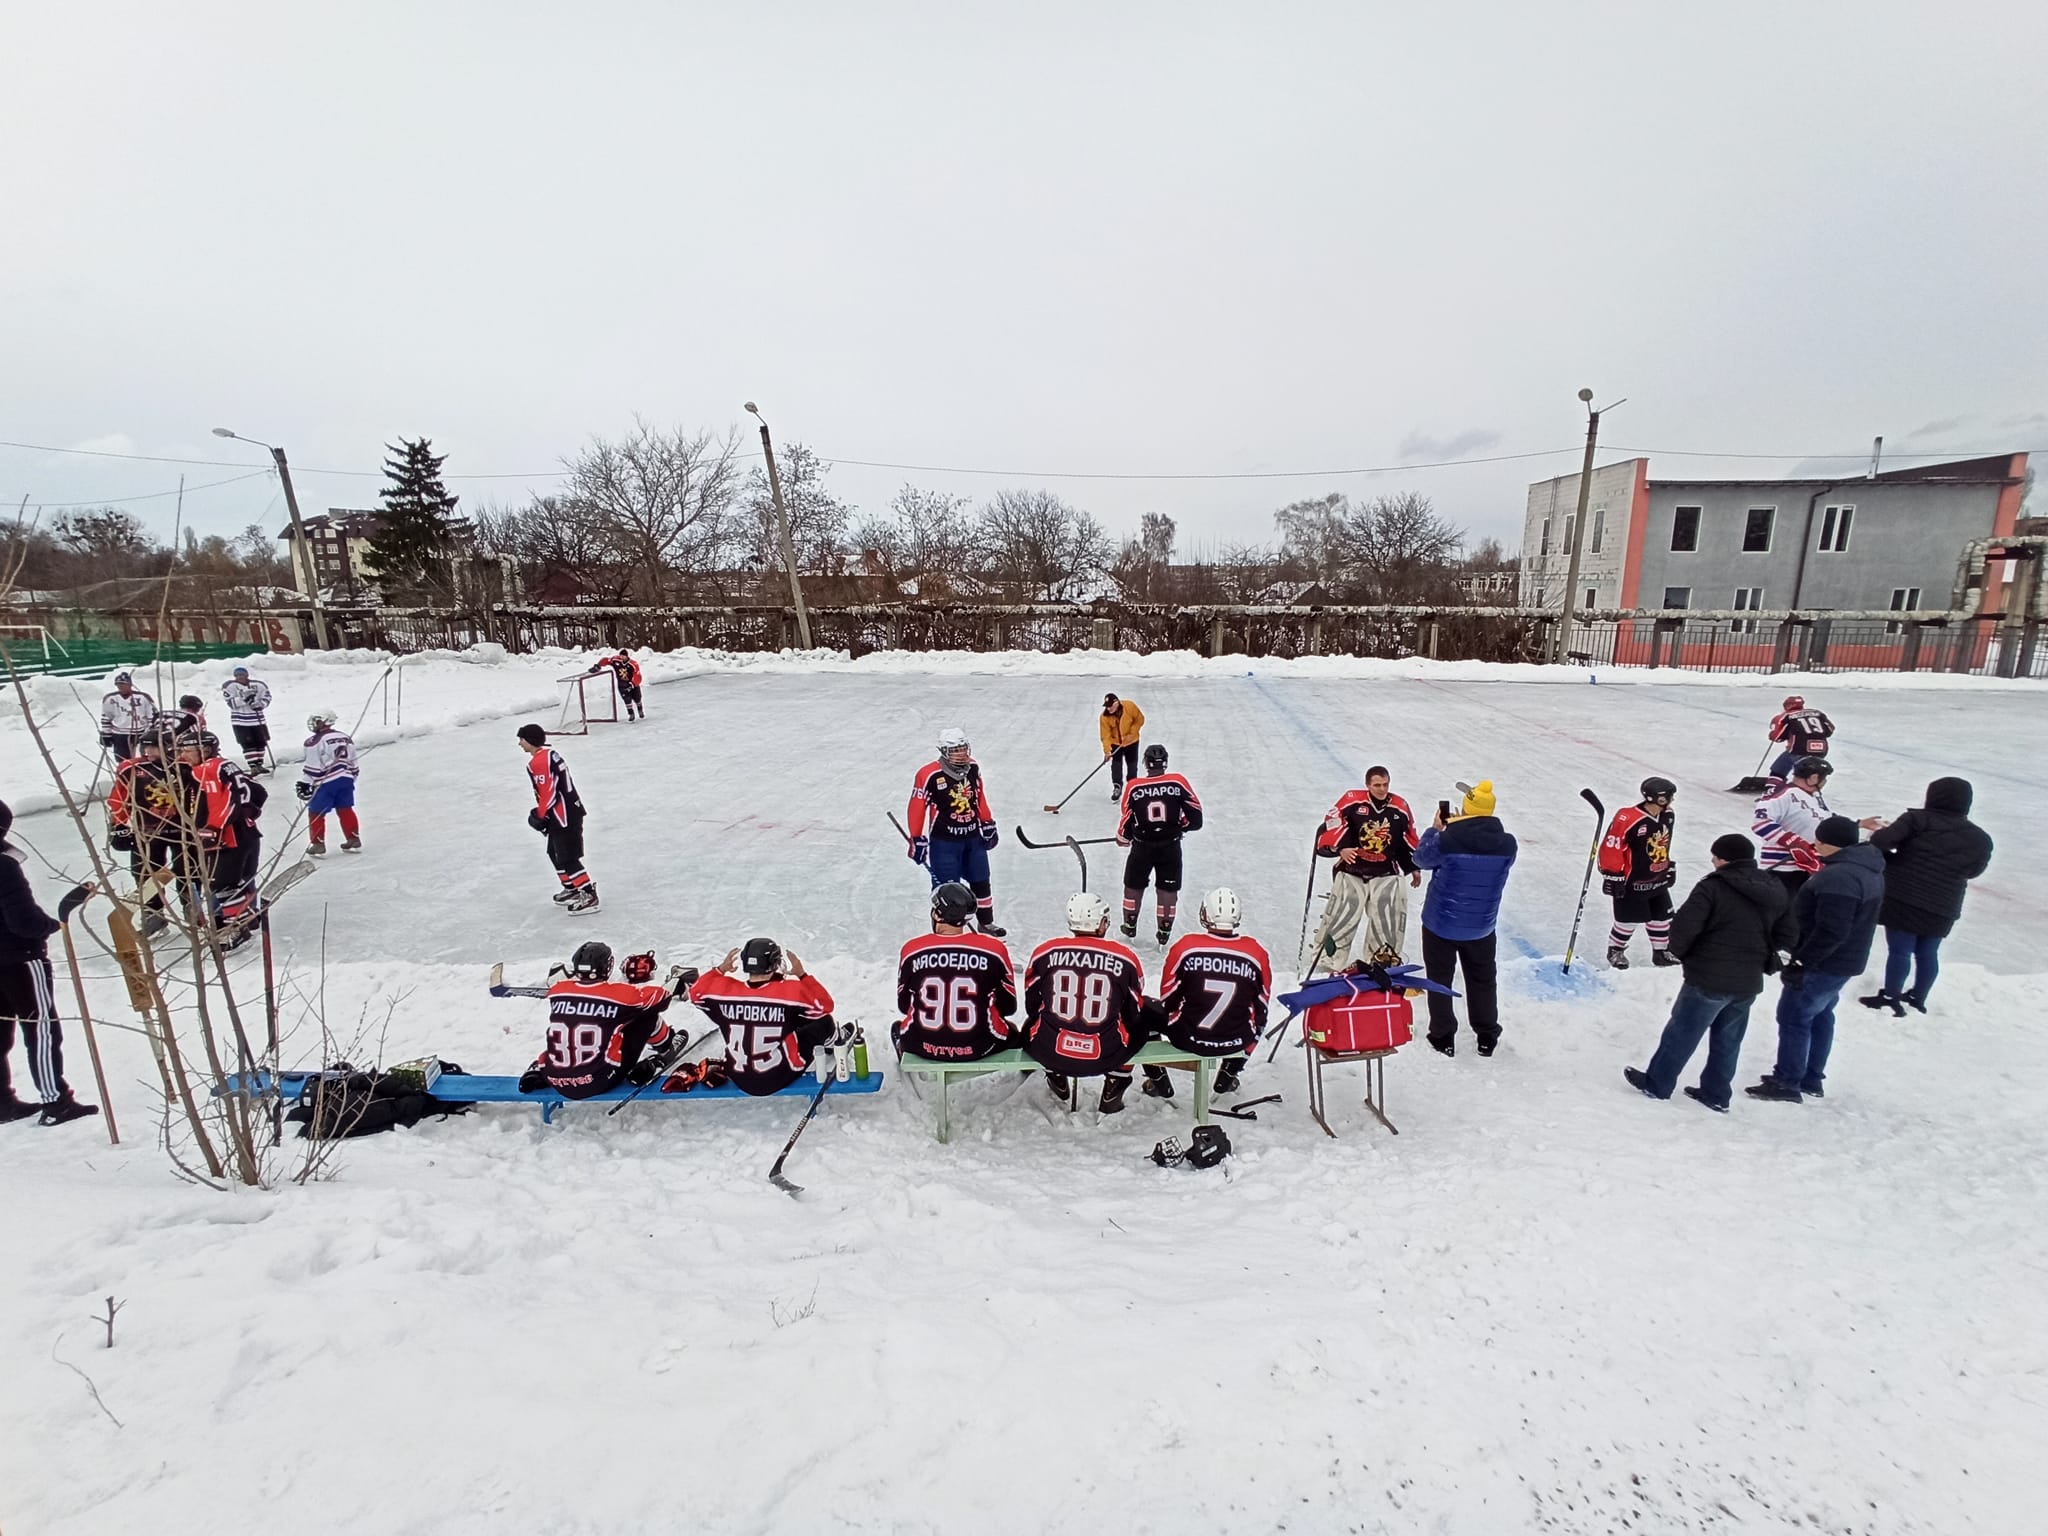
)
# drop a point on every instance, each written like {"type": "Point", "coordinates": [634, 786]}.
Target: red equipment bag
{"type": "Point", "coordinates": [1364, 1021]}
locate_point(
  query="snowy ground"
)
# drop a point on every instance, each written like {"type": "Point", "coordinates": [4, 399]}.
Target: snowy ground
{"type": "Point", "coordinates": [1548, 1305]}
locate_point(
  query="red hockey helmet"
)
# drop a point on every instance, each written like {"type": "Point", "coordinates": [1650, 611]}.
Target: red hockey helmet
{"type": "Point", "coordinates": [639, 968]}
{"type": "Point", "coordinates": [1793, 701]}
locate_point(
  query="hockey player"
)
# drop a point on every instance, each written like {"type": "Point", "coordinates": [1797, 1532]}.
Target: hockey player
{"type": "Point", "coordinates": [1085, 1013]}
{"type": "Point", "coordinates": [558, 812]}
{"type": "Point", "coordinates": [247, 699]}
{"type": "Point", "coordinates": [1119, 727]}
{"type": "Point", "coordinates": [626, 678]}
{"type": "Point", "coordinates": [28, 995]}
{"type": "Point", "coordinates": [192, 710]}
{"type": "Point", "coordinates": [126, 716]}
{"type": "Point", "coordinates": [1217, 988]}
{"type": "Point", "coordinates": [1158, 810]}
{"type": "Point", "coordinates": [952, 828]}
{"type": "Point", "coordinates": [772, 1021]}
{"type": "Point", "coordinates": [147, 812]}
{"type": "Point", "coordinates": [226, 807]}
{"type": "Point", "coordinates": [327, 782]}
{"type": "Point", "coordinates": [954, 988]}
{"type": "Point", "coordinates": [1635, 856]}
{"type": "Point", "coordinates": [600, 1030]}
{"type": "Point", "coordinates": [1371, 834]}
{"type": "Point", "coordinates": [1787, 816]}
{"type": "Point", "coordinates": [1800, 732]}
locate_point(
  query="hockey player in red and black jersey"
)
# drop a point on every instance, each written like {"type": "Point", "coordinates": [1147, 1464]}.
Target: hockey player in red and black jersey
{"type": "Point", "coordinates": [558, 812]}
{"type": "Point", "coordinates": [1635, 856]}
{"type": "Point", "coordinates": [1085, 1013]}
{"type": "Point", "coordinates": [225, 810]}
{"type": "Point", "coordinates": [626, 678]}
{"type": "Point", "coordinates": [954, 988]}
{"type": "Point", "coordinates": [952, 828]}
{"type": "Point", "coordinates": [1157, 811]}
{"type": "Point", "coordinates": [1370, 832]}
{"type": "Point", "coordinates": [773, 1018]}
{"type": "Point", "coordinates": [600, 1030]}
{"type": "Point", "coordinates": [1799, 732]}
{"type": "Point", "coordinates": [1217, 988]}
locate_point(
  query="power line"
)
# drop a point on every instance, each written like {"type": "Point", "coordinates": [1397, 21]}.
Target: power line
{"type": "Point", "coordinates": [297, 469]}
{"type": "Point", "coordinates": [1256, 474]}
{"type": "Point", "coordinates": [115, 501]}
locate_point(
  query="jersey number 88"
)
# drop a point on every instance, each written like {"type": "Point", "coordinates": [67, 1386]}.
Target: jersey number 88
{"type": "Point", "coordinates": [1078, 999]}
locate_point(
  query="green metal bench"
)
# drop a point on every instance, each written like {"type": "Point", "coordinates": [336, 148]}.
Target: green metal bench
{"type": "Point", "coordinates": [1156, 1053]}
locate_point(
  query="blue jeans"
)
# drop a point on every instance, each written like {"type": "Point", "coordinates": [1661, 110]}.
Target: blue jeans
{"type": "Point", "coordinates": [1693, 1014]}
{"type": "Point", "coordinates": [1920, 951]}
{"type": "Point", "coordinates": [1806, 1030]}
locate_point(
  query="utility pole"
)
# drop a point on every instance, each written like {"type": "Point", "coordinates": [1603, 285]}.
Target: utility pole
{"type": "Point", "coordinates": [1578, 538]}
{"type": "Point", "coordinates": [291, 502]}
{"type": "Point", "coordinates": [796, 586]}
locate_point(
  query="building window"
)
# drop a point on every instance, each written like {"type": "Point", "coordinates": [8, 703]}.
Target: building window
{"type": "Point", "coordinates": [1685, 529]}
{"type": "Point", "coordinates": [1747, 600]}
{"type": "Point", "coordinates": [1904, 600]}
{"type": "Point", "coordinates": [1571, 531]}
{"type": "Point", "coordinates": [1756, 530]}
{"type": "Point", "coordinates": [1678, 597]}
{"type": "Point", "coordinates": [1592, 597]}
{"type": "Point", "coordinates": [1599, 528]}
{"type": "Point", "coordinates": [1835, 523]}
{"type": "Point", "coordinates": [1543, 540]}
{"type": "Point", "coordinates": [1542, 599]}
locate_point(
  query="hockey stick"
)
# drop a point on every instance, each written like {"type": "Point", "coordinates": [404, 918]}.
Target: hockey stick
{"type": "Point", "coordinates": [662, 1068]}
{"type": "Point", "coordinates": [1068, 842]}
{"type": "Point", "coordinates": [1307, 900]}
{"type": "Point", "coordinates": [1755, 783]}
{"type": "Point", "coordinates": [92, 1044]}
{"type": "Point", "coordinates": [1054, 810]}
{"type": "Point", "coordinates": [1075, 844]}
{"type": "Point", "coordinates": [1246, 1110]}
{"type": "Point", "coordinates": [499, 989]}
{"type": "Point", "coordinates": [775, 1174]}
{"type": "Point", "coordinates": [1599, 831]}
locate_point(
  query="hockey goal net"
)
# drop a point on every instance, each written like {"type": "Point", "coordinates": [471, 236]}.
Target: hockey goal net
{"type": "Point", "coordinates": [587, 700]}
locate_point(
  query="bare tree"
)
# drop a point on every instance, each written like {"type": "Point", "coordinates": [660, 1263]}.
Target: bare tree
{"type": "Point", "coordinates": [553, 534]}
{"type": "Point", "coordinates": [661, 500]}
{"type": "Point", "coordinates": [1396, 549]}
{"type": "Point", "coordinates": [1312, 537]}
{"type": "Point", "coordinates": [817, 518]}
{"type": "Point", "coordinates": [1037, 548]}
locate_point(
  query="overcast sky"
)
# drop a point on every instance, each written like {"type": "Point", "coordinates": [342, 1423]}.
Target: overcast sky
{"type": "Point", "coordinates": [1136, 238]}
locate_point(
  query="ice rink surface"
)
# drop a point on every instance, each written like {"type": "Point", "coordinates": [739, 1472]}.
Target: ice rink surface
{"type": "Point", "coordinates": [1548, 1305]}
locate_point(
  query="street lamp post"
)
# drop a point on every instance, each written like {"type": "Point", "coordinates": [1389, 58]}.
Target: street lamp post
{"type": "Point", "coordinates": [1578, 538]}
{"type": "Point", "coordinates": [796, 586]}
{"type": "Point", "coordinates": [291, 502]}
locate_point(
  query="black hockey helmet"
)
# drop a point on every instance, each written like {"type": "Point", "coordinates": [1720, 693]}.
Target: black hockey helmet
{"type": "Point", "coordinates": [533, 736]}
{"type": "Point", "coordinates": [638, 968]}
{"type": "Point", "coordinates": [953, 904]}
{"type": "Point", "coordinates": [761, 957]}
{"type": "Point", "coordinates": [592, 961]}
{"type": "Point", "coordinates": [1155, 758]}
{"type": "Point", "coordinates": [1655, 788]}
{"type": "Point", "coordinates": [1808, 767]}
{"type": "Point", "coordinates": [191, 703]}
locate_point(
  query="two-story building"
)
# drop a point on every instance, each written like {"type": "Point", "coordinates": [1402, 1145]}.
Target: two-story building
{"type": "Point", "coordinates": [1890, 541]}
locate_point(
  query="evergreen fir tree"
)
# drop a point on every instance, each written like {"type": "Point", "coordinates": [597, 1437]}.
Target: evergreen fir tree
{"type": "Point", "coordinates": [411, 549]}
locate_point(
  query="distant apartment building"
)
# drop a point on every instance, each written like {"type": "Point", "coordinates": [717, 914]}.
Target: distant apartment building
{"type": "Point", "coordinates": [334, 557]}
{"type": "Point", "coordinates": [1890, 541]}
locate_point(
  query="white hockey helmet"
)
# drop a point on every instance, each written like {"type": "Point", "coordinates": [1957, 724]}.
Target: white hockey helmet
{"type": "Point", "coordinates": [1221, 910]}
{"type": "Point", "coordinates": [321, 718]}
{"type": "Point", "coordinates": [1087, 912]}
{"type": "Point", "coordinates": [953, 749]}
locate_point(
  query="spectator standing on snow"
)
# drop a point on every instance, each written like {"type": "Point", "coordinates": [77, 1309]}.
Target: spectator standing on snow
{"type": "Point", "coordinates": [1468, 856]}
{"type": "Point", "coordinates": [27, 996]}
{"type": "Point", "coordinates": [1930, 857]}
{"type": "Point", "coordinates": [1836, 913]}
{"type": "Point", "coordinates": [1728, 935]}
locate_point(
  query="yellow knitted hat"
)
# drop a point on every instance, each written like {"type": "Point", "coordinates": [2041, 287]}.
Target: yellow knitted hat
{"type": "Point", "coordinates": [1478, 798]}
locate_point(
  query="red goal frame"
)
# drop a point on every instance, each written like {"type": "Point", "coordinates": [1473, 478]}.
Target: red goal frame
{"type": "Point", "coordinates": [580, 710]}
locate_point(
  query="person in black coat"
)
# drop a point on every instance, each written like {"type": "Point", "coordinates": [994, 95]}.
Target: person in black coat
{"type": "Point", "coordinates": [1837, 916]}
{"type": "Point", "coordinates": [27, 997]}
{"type": "Point", "coordinates": [1728, 935]}
{"type": "Point", "coordinates": [1931, 856]}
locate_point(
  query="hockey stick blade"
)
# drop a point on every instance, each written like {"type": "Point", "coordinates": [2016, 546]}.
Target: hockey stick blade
{"type": "Point", "coordinates": [499, 989]}
{"type": "Point", "coordinates": [775, 1174]}
{"type": "Point", "coordinates": [1085, 842]}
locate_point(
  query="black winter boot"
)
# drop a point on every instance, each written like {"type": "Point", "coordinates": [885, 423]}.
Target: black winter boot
{"type": "Point", "coordinates": [66, 1108]}
{"type": "Point", "coordinates": [1113, 1091]}
{"type": "Point", "coordinates": [12, 1108]}
{"type": "Point", "coordinates": [1891, 1000]}
{"type": "Point", "coordinates": [1157, 1084]}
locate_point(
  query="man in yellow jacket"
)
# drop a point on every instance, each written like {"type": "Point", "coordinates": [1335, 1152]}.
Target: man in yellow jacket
{"type": "Point", "coordinates": [1120, 724]}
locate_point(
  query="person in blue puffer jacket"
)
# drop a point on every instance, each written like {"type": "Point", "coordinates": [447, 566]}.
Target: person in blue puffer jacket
{"type": "Point", "coordinates": [1468, 857]}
